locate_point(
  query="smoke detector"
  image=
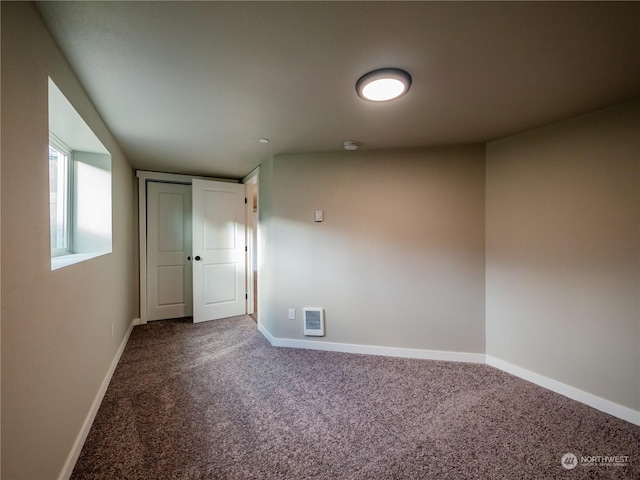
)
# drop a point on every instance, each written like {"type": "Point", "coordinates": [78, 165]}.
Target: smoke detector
{"type": "Point", "coordinates": [351, 145]}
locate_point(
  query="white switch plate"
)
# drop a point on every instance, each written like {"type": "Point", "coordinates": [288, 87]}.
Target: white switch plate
{"type": "Point", "coordinates": [292, 314]}
{"type": "Point", "coordinates": [317, 216]}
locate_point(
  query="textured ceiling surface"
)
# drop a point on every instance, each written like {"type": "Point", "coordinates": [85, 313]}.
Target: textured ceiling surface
{"type": "Point", "coordinates": [190, 87]}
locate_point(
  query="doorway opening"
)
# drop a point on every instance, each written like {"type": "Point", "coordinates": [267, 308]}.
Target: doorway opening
{"type": "Point", "coordinates": [180, 276]}
{"type": "Point", "coordinates": [251, 185]}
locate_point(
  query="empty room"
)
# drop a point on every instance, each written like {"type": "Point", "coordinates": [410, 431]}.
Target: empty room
{"type": "Point", "coordinates": [320, 240]}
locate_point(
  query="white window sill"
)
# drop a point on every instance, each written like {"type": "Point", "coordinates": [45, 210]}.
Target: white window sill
{"type": "Point", "coordinates": [73, 258]}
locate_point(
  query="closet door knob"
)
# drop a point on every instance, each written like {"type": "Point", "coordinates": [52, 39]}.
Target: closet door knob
{"type": "Point", "coordinates": [189, 258]}
{"type": "Point", "coordinates": [197, 258]}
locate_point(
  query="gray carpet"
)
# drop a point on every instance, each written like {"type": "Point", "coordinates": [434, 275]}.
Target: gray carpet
{"type": "Point", "coordinates": [216, 401]}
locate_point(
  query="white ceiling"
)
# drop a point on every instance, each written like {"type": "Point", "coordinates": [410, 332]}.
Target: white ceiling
{"type": "Point", "coordinates": [190, 87]}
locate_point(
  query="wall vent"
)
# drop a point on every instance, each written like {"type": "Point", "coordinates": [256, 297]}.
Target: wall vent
{"type": "Point", "coordinates": [313, 322]}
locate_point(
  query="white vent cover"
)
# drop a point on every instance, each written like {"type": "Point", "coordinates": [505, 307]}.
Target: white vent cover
{"type": "Point", "coordinates": [313, 322]}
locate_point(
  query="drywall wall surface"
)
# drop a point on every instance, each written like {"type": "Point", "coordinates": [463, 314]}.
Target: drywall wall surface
{"type": "Point", "coordinates": [398, 260]}
{"type": "Point", "coordinates": [57, 342]}
{"type": "Point", "coordinates": [563, 249]}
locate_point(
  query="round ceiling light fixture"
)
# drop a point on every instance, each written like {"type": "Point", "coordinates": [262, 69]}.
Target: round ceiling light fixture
{"type": "Point", "coordinates": [383, 84]}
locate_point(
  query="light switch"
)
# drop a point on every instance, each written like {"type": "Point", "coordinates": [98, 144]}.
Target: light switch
{"type": "Point", "coordinates": [317, 216]}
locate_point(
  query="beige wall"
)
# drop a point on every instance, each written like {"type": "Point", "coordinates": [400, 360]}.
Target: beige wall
{"type": "Point", "coordinates": [399, 258]}
{"type": "Point", "coordinates": [563, 249]}
{"type": "Point", "coordinates": [56, 325]}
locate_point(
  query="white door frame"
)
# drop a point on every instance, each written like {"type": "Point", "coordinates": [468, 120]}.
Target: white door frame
{"type": "Point", "coordinates": [143, 177]}
{"type": "Point", "coordinates": [250, 181]}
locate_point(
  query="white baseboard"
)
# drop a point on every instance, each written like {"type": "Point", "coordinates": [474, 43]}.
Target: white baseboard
{"type": "Point", "coordinates": [599, 403]}
{"type": "Point", "coordinates": [67, 470]}
{"type": "Point", "coordinates": [372, 349]}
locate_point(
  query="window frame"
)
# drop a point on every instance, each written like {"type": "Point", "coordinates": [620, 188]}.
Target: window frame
{"type": "Point", "coordinates": [64, 149]}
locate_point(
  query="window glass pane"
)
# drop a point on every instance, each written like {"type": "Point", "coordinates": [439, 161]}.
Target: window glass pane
{"type": "Point", "coordinates": [58, 199]}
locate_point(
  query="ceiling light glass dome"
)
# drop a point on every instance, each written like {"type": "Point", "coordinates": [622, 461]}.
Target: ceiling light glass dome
{"type": "Point", "coordinates": [383, 84]}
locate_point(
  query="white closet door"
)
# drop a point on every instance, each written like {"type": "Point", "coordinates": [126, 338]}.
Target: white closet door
{"type": "Point", "coordinates": [219, 288]}
{"type": "Point", "coordinates": [168, 249]}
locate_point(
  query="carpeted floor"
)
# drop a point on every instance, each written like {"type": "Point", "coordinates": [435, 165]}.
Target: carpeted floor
{"type": "Point", "coordinates": [216, 401]}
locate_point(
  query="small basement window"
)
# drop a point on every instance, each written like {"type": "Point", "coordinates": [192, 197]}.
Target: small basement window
{"type": "Point", "coordinates": [79, 186]}
{"type": "Point", "coordinates": [59, 179]}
